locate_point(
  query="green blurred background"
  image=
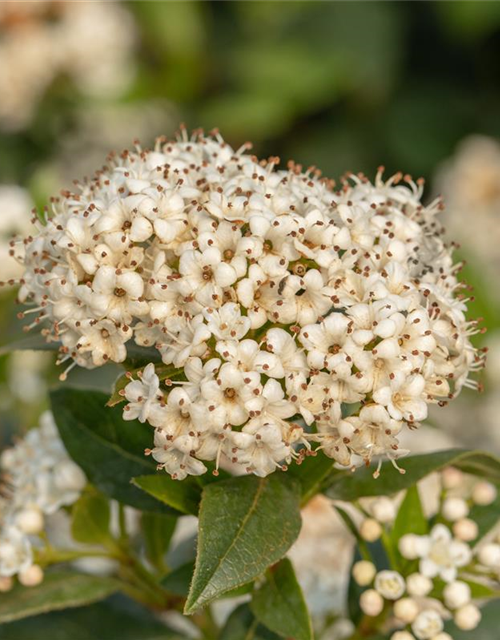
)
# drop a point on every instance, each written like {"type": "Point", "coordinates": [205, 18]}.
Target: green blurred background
{"type": "Point", "coordinates": [340, 85]}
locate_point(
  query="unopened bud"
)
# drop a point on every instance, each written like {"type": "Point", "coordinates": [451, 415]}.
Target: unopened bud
{"type": "Point", "coordinates": [489, 555]}
{"type": "Point", "coordinates": [32, 576]}
{"type": "Point", "coordinates": [363, 572]}
{"type": "Point", "coordinates": [468, 617]}
{"type": "Point", "coordinates": [484, 493]}
{"type": "Point", "coordinates": [371, 602]}
{"type": "Point", "coordinates": [452, 478]}
{"type": "Point", "coordinates": [456, 594]}
{"type": "Point", "coordinates": [406, 610]}
{"type": "Point", "coordinates": [454, 509]}
{"type": "Point", "coordinates": [465, 529]}
{"type": "Point", "coordinates": [418, 585]}
{"type": "Point", "coordinates": [370, 530]}
{"type": "Point", "coordinates": [30, 521]}
{"type": "Point", "coordinates": [6, 584]}
{"type": "Point", "coordinates": [383, 510]}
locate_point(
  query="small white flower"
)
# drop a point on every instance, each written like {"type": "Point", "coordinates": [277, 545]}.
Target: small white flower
{"type": "Point", "coordinates": [454, 509]}
{"type": "Point", "coordinates": [371, 602]}
{"type": "Point", "coordinates": [406, 610]}
{"type": "Point", "coordinates": [427, 625]}
{"type": "Point", "coordinates": [456, 594]}
{"type": "Point", "coordinates": [489, 555]}
{"type": "Point", "coordinates": [443, 555]}
{"type": "Point", "coordinates": [418, 585]}
{"type": "Point", "coordinates": [467, 617]}
{"type": "Point", "coordinates": [370, 530]}
{"type": "Point", "coordinates": [364, 572]}
{"type": "Point", "coordinates": [390, 584]}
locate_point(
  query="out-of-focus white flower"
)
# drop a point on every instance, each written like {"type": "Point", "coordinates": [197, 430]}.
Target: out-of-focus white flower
{"type": "Point", "coordinates": [427, 624]}
{"type": "Point", "coordinates": [15, 216]}
{"type": "Point", "coordinates": [383, 509]}
{"type": "Point", "coordinates": [454, 509]}
{"type": "Point", "coordinates": [456, 594]}
{"type": "Point", "coordinates": [484, 493]}
{"type": "Point", "coordinates": [465, 529]}
{"type": "Point", "coordinates": [418, 585]}
{"type": "Point", "coordinates": [390, 584]}
{"type": "Point", "coordinates": [40, 478]}
{"type": "Point", "coordinates": [46, 39]}
{"type": "Point", "coordinates": [406, 610]}
{"type": "Point", "coordinates": [370, 530]}
{"type": "Point", "coordinates": [489, 555]}
{"type": "Point", "coordinates": [364, 572]}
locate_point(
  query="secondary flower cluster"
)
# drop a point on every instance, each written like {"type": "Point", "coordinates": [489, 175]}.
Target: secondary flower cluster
{"type": "Point", "coordinates": [273, 299]}
{"type": "Point", "coordinates": [38, 478]}
{"type": "Point", "coordinates": [44, 40]}
{"type": "Point", "coordinates": [439, 569]}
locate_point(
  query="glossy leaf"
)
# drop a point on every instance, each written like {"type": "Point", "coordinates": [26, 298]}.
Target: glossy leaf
{"type": "Point", "coordinates": [410, 517]}
{"type": "Point", "coordinates": [90, 519]}
{"type": "Point", "coordinates": [157, 530]}
{"type": "Point", "coordinates": [245, 525]}
{"type": "Point", "coordinates": [178, 581]}
{"type": "Point", "coordinates": [242, 625]}
{"type": "Point", "coordinates": [280, 605]}
{"type": "Point", "coordinates": [184, 496]}
{"type": "Point", "coordinates": [57, 591]}
{"type": "Point", "coordinates": [350, 486]}
{"type": "Point", "coordinates": [109, 449]}
{"type": "Point", "coordinates": [116, 618]}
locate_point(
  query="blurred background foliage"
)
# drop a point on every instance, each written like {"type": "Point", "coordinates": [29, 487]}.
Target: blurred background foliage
{"type": "Point", "coordinates": [340, 85]}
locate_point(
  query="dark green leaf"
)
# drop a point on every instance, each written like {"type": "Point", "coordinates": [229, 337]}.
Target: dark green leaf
{"type": "Point", "coordinates": [157, 530]}
{"type": "Point", "coordinates": [486, 517]}
{"type": "Point", "coordinates": [246, 524]}
{"type": "Point", "coordinates": [351, 486]}
{"type": "Point", "coordinates": [36, 342]}
{"type": "Point", "coordinates": [280, 605]}
{"type": "Point", "coordinates": [57, 591]}
{"type": "Point", "coordinates": [109, 449]}
{"type": "Point", "coordinates": [117, 618]}
{"type": "Point", "coordinates": [177, 582]}
{"type": "Point", "coordinates": [90, 519]}
{"type": "Point", "coordinates": [184, 496]}
{"type": "Point", "coordinates": [312, 473]}
{"type": "Point", "coordinates": [242, 625]}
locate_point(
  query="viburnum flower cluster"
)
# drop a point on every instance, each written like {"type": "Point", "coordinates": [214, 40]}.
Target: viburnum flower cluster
{"type": "Point", "coordinates": [440, 565]}
{"type": "Point", "coordinates": [286, 313]}
{"type": "Point", "coordinates": [38, 478]}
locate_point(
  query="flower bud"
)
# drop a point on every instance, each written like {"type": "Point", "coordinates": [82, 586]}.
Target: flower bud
{"type": "Point", "coordinates": [383, 510]}
{"type": "Point", "coordinates": [427, 625]}
{"type": "Point", "coordinates": [484, 493]}
{"type": "Point", "coordinates": [454, 509]}
{"type": "Point", "coordinates": [418, 585]}
{"type": "Point", "coordinates": [402, 635]}
{"type": "Point", "coordinates": [69, 476]}
{"type": "Point", "coordinates": [452, 478]}
{"type": "Point", "coordinates": [442, 636]}
{"type": "Point", "coordinates": [406, 610]}
{"type": "Point", "coordinates": [32, 576]}
{"type": "Point", "coordinates": [30, 521]}
{"type": "Point", "coordinates": [390, 584]}
{"type": "Point", "coordinates": [370, 530]}
{"type": "Point", "coordinates": [363, 572]}
{"type": "Point", "coordinates": [410, 546]}
{"type": "Point", "coordinates": [465, 529]}
{"type": "Point", "coordinates": [6, 584]}
{"type": "Point", "coordinates": [467, 617]}
{"type": "Point", "coordinates": [489, 555]}
{"type": "Point", "coordinates": [371, 602]}
{"type": "Point", "coordinates": [456, 594]}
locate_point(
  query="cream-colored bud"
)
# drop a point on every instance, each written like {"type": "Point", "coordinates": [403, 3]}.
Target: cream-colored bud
{"type": "Point", "coordinates": [467, 617]}
{"type": "Point", "coordinates": [427, 624]}
{"type": "Point", "coordinates": [402, 635]}
{"type": "Point", "coordinates": [465, 529]}
{"type": "Point", "coordinates": [484, 493]}
{"type": "Point", "coordinates": [363, 572]}
{"type": "Point", "coordinates": [442, 636]}
{"type": "Point", "coordinates": [418, 585]}
{"type": "Point", "coordinates": [406, 610]}
{"type": "Point", "coordinates": [489, 555]}
{"type": "Point", "coordinates": [452, 478]}
{"type": "Point", "coordinates": [371, 602]}
{"type": "Point", "coordinates": [383, 510]}
{"type": "Point", "coordinates": [32, 576]}
{"type": "Point", "coordinates": [454, 509]}
{"type": "Point", "coordinates": [370, 530]}
{"type": "Point", "coordinates": [390, 584]}
{"type": "Point", "coordinates": [456, 594]}
{"type": "Point", "coordinates": [30, 521]}
{"type": "Point", "coordinates": [410, 546]}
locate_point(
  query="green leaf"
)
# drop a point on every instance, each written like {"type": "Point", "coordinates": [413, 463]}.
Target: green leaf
{"type": "Point", "coordinates": [312, 473]}
{"type": "Point", "coordinates": [351, 486]}
{"type": "Point", "coordinates": [116, 618]}
{"type": "Point", "coordinates": [486, 517]}
{"type": "Point", "coordinates": [157, 530]}
{"type": "Point", "coordinates": [410, 517]}
{"type": "Point", "coordinates": [245, 525]}
{"type": "Point", "coordinates": [242, 625]}
{"type": "Point", "coordinates": [178, 581]}
{"type": "Point", "coordinates": [36, 342]}
{"type": "Point", "coordinates": [59, 590]}
{"type": "Point", "coordinates": [184, 496]}
{"type": "Point", "coordinates": [90, 519]}
{"type": "Point", "coordinates": [280, 605]}
{"type": "Point", "coordinates": [109, 449]}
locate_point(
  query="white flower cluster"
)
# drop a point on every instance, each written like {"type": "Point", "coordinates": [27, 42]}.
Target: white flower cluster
{"type": "Point", "coordinates": [423, 600]}
{"type": "Point", "coordinates": [38, 478]}
{"type": "Point", "coordinates": [90, 42]}
{"type": "Point", "coordinates": [274, 300]}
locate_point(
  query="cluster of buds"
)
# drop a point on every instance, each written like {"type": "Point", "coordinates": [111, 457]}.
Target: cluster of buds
{"type": "Point", "coordinates": [38, 478]}
{"type": "Point", "coordinates": [436, 571]}
{"type": "Point", "coordinates": [278, 304]}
